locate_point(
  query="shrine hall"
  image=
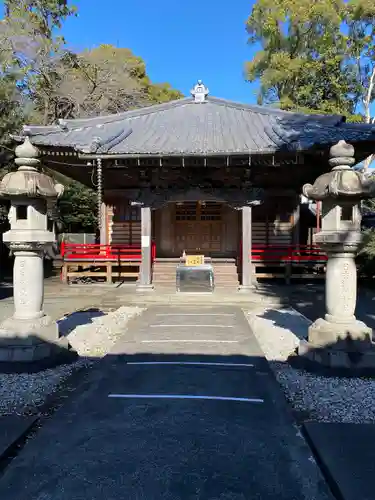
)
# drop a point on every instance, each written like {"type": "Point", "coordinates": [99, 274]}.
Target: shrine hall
{"type": "Point", "coordinates": [198, 176]}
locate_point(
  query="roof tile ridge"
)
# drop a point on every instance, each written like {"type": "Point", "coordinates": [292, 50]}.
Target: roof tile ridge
{"type": "Point", "coordinates": [28, 130]}
{"type": "Point", "coordinates": [267, 110]}
{"type": "Point", "coordinates": [283, 138]}
{"type": "Point", "coordinates": [65, 125]}
{"type": "Point", "coordinates": [357, 125]}
{"type": "Point", "coordinates": [103, 144]}
{"type": "Point", "coordinates": [132, 113]}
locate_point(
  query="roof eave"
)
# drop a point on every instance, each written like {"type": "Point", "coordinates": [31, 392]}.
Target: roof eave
{"type": "Point", "coordinates": [185, 154]}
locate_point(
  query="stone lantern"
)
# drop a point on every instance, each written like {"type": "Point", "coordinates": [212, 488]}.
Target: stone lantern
{"type": "Point", "coordinates": [339, 340]}
{"type": "Point", "coordinates": [29, 335]}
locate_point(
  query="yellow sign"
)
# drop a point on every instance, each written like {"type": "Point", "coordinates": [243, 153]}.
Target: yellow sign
{"type": "Point", "coordinates": [194, 260]}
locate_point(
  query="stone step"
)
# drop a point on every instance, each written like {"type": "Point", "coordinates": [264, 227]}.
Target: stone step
{"type": "Point", "coordinates": [217, 269]}
{"type": "Point", "coordinates": [160, 274]}
{"type": "Point", "coordinates": [213, 260]}
{"type": "Point", "coordinates": [225, 273]}
{"type": "Point", "coordinates": [173, 277]}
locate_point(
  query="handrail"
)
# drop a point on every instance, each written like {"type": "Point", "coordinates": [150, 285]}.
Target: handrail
{"type": "Point", "coordinates": [286, 253]}
{"type": "Point", "coordinates": [94, 251]}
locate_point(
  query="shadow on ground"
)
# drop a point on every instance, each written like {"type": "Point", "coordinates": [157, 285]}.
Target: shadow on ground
{"type": "Point", "coordinates": [344, 358]}
{"type": "Point", "coordinates": [116, 437]}
{"type": "Point", "coordinates": [6, 289]}
{"type": "Point", "coordinates": [78, 318]}
{"type": "Point", "coordinates": [165, 445]}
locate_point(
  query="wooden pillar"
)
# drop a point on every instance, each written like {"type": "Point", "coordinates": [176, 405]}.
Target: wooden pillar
{"type": "Point", "coordinates": [144, 282]}
{"type": "Point", "coordinates": [247, 271]}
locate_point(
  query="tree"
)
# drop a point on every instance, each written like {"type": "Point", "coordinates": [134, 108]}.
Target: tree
{"type": "Point", "coordinates": [58, 83]}
{"type": "Point", "coordinates": [44, 15]}
{"type": "Point", "coordinates": [315, 56]}
{"type": "Point", "coordinates": [41, 81]}
{"type": "Point", "coordinates": [103, 80]}
{"type": "Point", "coordinates": [30, 45]}
{"type": "Point", "coordinates": [360, 20]}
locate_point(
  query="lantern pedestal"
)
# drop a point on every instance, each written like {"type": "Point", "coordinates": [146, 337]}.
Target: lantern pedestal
{"type": "Point", "coordinates": [339, 340]}
{"type": "Point", "coordinates": [29, 335]}
{"type": "Point", "coordinates": [30, 338]}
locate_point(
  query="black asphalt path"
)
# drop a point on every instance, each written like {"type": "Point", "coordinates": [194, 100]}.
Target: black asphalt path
{"type": "Point", "coordinates": [101, 447]}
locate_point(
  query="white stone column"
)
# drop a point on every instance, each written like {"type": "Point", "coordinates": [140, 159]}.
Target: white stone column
{"type": "Point", "coordinates": [29, 336]}
{"type": "Point", "coordinates": [247, 283]}
{"type": "Point", "coordinates": [144, 283]}
{"type": "Point", "coordinates": [28, 289]}
{"type": "Point", "coordinates": [103, 224]}
{"type": "Point", "coordinates": [341, 287]}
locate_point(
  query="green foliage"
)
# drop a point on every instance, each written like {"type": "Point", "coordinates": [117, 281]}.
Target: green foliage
{"type": "Point", "coordinates": [162, 92]}
{"type": "Point", "coordinates": [28, 44]}
{"type": "Point", "coordinates": [78, 209]}
{"type": "Point", "coordinates": [11, 109]}
{"type": "Point", "coordinates": [368, 244]}
{"type": "Point", "coordinates": [316, 55]}
{"type": "Point", "coordinates": [366, 255]}
{"type": "Point", "coordinates": [44, 15]}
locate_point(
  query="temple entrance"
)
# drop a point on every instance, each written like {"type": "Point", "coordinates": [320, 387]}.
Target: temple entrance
{"type": "Point", "coordinates": [198, 227]}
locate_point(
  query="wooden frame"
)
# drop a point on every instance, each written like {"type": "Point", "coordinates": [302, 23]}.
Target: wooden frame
{"type": "Point", "coordinates": [203, 217]}
{"type": "Point", "coordinates": [102, 269]}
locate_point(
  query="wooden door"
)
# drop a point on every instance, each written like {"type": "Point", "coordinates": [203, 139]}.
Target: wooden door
{"type": "Point", "coordinates": [198, 227]}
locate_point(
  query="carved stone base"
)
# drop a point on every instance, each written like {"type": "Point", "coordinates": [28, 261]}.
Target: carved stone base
{"type": "Point", "coordinates": [345, 349]}
{"type": "Point", "coordinates": [351, 336]}
{"type": "Point", "coordinates": [25, 341]}
{"type": "Point", "coordinates": [144, 288]}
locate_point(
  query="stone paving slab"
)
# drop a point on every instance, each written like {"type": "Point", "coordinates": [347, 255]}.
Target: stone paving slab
{"type": "Point", "coordinates": [12, 429]}
{"type": "Point", "coordinates": [347, 456]}
{"type": "Point", "coordinates": [143, 337]}
{"type": "Point", "coordinates": [162, 296]}
{"type": "Point", "coordinates": [151, 444]}
{"type": "Point", "coordinates": [58, 304]}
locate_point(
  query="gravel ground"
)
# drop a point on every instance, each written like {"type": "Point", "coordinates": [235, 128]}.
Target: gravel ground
{"type": "Point", "coordinates": [20, 393]}
{"type": "Point", "coordinates": [91, 333]}
{"type": "Point", "coordinates": [312, 397]}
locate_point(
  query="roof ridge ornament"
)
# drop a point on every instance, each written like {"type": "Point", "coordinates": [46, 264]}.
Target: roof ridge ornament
{"type": "Point", "coordinates": [199, 92]}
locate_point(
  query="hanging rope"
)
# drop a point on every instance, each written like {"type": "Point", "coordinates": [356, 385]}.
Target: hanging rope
{"type": "Point", "coordinates": [99, 188]}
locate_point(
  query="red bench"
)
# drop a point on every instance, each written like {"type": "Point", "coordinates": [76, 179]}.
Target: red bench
{"type": "Point", "coordinates": [287, 261]}
{"type": "Point", "coordinates": [83, 262]}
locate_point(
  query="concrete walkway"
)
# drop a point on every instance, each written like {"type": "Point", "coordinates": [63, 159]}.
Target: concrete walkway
{"type": "Point", "coordinates": [184, 408]}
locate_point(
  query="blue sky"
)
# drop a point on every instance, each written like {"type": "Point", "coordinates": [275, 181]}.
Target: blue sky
{"type": "Point", "coordinates": [180, 41]}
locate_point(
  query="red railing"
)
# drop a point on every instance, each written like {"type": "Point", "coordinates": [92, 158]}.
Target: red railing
{"type": "Point", "coordinates": [286, 253]}
{"type": "Point", "coordinates": [82, 251]}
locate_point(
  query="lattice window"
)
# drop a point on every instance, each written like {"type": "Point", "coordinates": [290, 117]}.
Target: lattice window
{"type": "Point", "coordinates": [210, 211]}
{"type": "Point", "coordinates": [127, 213]}
{"type": "Point", "coordinates": [186, 211]}
{"type": "Point", "coordinates": [198, 211]}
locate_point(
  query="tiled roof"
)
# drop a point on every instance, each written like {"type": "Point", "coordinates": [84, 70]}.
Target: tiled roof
{"type": "Point", "coordinates": [185, 127]}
